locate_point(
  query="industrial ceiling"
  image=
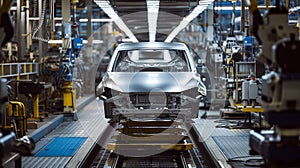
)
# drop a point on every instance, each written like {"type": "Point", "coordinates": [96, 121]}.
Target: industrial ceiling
{"type": "Point", "coordinates": [152, 20]}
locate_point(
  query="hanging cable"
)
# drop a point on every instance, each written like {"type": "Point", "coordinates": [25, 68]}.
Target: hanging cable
{"type": "Point", "coordinates": [41, 22]}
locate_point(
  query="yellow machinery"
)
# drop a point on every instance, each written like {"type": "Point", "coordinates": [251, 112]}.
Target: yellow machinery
{"type": "Point", "coordinates": [13, 144]}
{"type": "Point", "coordinates": [70, 50]}
{"type": "Point", "coordinates": [28, 87]}
{"type": "Point", "coordinates": [17, 114]}
{"type": "Point", "coordinates": [16, 110]}
{"type": "Point", "coordinates": [15, 118]}
{"type": "Point", "coordinates": [69, 97]}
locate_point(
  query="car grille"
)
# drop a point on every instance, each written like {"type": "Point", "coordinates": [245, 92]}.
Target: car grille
{"type": "Point", "coordinates": [142, 98]}
{"type": "Point", "coordinates": [148, 100]}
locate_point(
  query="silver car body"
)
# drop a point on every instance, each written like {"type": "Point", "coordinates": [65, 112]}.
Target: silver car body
{"type": "Point", "coordinates": [156, 79]}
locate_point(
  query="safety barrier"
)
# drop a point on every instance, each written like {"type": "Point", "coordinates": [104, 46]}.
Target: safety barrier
{"type": "Point", "coordinates": [19, 70]}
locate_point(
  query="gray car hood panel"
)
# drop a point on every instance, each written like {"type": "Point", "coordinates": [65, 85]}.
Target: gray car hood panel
{"type": "Point", "coordinates": [151, 81]}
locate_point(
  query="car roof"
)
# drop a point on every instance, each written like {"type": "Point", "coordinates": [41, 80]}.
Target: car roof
{"type": "Point", "coordinates": [152, 45]}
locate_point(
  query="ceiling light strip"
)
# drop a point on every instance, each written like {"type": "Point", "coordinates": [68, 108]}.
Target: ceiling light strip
{"type": "Point", "coordinates": [96, 20]}
{"type": "Point", "coordinates": [152, 8]}
{"type": "Point", "coordinates": [238, 8]}
{"type": "Point", "coordinates": [186, 20]}
{"type": "Point", "coordinates": [84, 41]}
{"type": "Point", "coordinates": [106, 7]}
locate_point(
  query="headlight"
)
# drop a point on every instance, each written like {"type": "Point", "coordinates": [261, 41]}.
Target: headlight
{"type": "Point", "coordinates": [99, 89]}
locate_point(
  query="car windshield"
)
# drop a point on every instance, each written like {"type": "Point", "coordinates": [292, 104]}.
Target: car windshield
{"type": "Point", "coordinates": [151, 60]}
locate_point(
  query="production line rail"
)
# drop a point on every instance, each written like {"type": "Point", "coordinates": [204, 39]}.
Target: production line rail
{"type": "Point", "coordinates": [150, 143]}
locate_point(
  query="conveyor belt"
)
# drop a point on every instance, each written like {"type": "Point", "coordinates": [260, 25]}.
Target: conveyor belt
{"type": "Point", "coordinates": [98, 131]}
{"type": "Point", "coordinates": [143, 149]}
{"type": "Point", "coordinates": [91, 124]}
{"type": "Point", "coordinates": [150, 135]}
{"type": "Point", "coordinates": [165, 160]}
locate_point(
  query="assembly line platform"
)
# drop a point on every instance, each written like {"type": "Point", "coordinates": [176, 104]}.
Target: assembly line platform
{"type": "Point", "coordinates": [66, 143]}
{"type": "Point", "coordinates": [227, 141]}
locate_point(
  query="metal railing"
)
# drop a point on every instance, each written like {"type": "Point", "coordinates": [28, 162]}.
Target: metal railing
{"type": "Point", "coordinates": [18, 70]}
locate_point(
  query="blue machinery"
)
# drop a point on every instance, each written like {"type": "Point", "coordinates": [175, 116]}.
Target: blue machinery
{"type": "Point", "coordinates": [71, 45]}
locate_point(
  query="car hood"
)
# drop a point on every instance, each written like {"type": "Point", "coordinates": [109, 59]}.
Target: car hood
{"type": "Point", "coordinates": [152, 81]}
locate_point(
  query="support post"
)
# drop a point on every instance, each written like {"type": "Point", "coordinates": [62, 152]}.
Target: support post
{"type": "Point", "coordinates": [36, 113]}
{"type": "Point", "coordinates": [242, 24]}
{"type": "Point", "coordinates": [210, 23]}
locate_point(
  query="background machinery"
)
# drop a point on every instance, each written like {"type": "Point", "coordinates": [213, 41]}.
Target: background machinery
{"type": "Point", "coordinates": [71, 45]}
{"type": "Point", "coordinates": [13, 144]}
{"type": "Point", "coordinates": [55, 52]}
{"type": "Point", "coordinates": [279, 146]}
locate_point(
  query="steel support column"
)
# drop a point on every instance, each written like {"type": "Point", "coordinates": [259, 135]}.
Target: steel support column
{"type": "Point", "coordinates": [40, 33]}
{"type": "Point", "coordinates": [28, 26]}
{"type": "Point", "coordinates": [210, 22]}
{"type": "Point", "coordinates": [20, 25]}
{"type": "Point", "coordinates": [89, 30]}
{"type": "Point", "coordinates": [242, 16]}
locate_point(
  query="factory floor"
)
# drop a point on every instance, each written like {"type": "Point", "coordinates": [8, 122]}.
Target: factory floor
{"type": "Point", "coordinates": [227, 140]}
{"type": "Point", "coordinates": [65, 143]}
{"type": "Point", "coordinates": [69, 141]}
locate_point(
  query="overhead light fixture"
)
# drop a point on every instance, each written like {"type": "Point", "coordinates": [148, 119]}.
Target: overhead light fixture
{"type": "Point", "coordinates": [96, 20]}
{"type": "Point", "coordinates": [106, 7]}
{"type": "Point", "coordinates": [54, 41]}
{"type": "Point", "coordinates": [186, 20]}
{"type": "Point", "coordinates": [294, 9]}
{"type": "Point", "coordinates": [293, 21]}
{"type": "Point", "coordinates": [227, 8]}
{"type": "Point", "coordinates": [93, 41]}
{"type": "Point", "coordinates": [239, 7]}
{"type": "Point", "coordinates": [152, 8]}
{"type": "Point", "coordinates": [84, 41]}
{"type": "Point", "coordinates": [37, 18]}
{"type": "Point", "coordinates": [126, 40]}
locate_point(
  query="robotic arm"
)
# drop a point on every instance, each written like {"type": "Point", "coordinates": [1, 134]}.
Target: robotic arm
{"type": "Point", "coordinates": [256, 19]}
{"type": "Point", "coordinates": [280, 146]}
